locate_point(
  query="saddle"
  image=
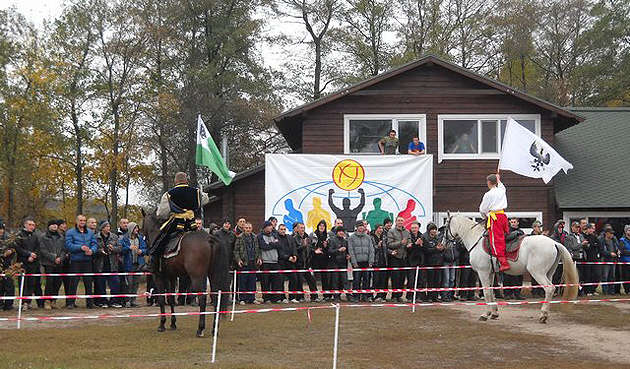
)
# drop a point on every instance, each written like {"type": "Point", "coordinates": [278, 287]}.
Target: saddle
{"type": "Point", "coordinates": [173, 245]}
{"type": "Point", "coordinates": [511, 248]}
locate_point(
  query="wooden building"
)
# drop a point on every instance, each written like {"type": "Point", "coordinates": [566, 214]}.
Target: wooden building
{"type": "Point", "coordinates": [458, 114]}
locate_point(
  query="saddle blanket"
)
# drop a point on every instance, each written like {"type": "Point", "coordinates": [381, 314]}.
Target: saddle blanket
{"type": "Point", "coordinates": [511, 250]}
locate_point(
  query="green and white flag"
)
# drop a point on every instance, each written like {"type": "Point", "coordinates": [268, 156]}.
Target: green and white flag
{"type": "Point", "coordinates": [208, 154]}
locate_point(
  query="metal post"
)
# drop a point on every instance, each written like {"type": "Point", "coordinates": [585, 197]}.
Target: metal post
{"type": "Point", "coordinates": [415, 290]}
{"type": "Point", "coordinates": [216, 327]}
{"type": "Point", "coordinates": [233, 297]}
{"type": "Point", "coordinates": [224, 150]}
{"type": "Point", "coordinates": [336, 343]}
{"type": "Point", "coordinates": [19, 320]}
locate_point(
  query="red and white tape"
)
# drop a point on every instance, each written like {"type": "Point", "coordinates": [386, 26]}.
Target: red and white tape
{"type": "Point", "coordinates": [192, 313]}
{"type": "Point", "coordinates": [374, 269]}
{"type": "Point", "coordinates": [359, 291]}
{"type": "Point", "coordinates": [309, 308]}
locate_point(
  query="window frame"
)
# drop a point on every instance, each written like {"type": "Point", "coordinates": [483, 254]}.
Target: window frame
{"type": "Point", "coordinates": [422, 127]}
{"type": "Point", "coordinates": [479, 118]}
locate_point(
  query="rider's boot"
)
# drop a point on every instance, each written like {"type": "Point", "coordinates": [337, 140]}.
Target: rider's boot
{"type": "Point", "coordinates": [152, 266]}
{"type": "Point", "coordinates": [505, 265]}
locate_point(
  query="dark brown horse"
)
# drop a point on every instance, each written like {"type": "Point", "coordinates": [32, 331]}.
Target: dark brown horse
{"type": "Point", "coordinates": [200, 258]}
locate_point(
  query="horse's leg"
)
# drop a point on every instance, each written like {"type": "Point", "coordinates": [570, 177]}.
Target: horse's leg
{"type": "Point", "coordinates": [486, 281]}
{"type": "Point", "coordinates": [171, 301]}
{"type": "Point", "coordinates": [544, 280]}
{"type": "Point", "coordinates": [494, 307]}
{"type": "Point", "coordinates": [199, 285]}
{"type": "Point", "coordinates": [160, 286]}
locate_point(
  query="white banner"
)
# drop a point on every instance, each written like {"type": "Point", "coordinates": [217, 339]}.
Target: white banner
{"type": "Point", "coordinates": [526, 154]}
{"type": "Point", "coordinates": [309, 188]}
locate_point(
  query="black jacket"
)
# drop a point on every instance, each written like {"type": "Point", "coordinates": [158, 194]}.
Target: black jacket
{"type": "Point", "coordinates": [51, 246]}
{"type": "Point", "coordinates": [593, 249]}
{"type": "Point", "coordinates": [338, 257]}
{"type": "Point", "coordinates": [286, 247]}
{"type": "Point", "coordinates": [303, 249]}
{"type": "Point", "coordinates": [25, 244]}
{"type": "Point", "coordinates": [380, 253]}
{"type": "Point", "coordinates": [415, 253]}
{"type": "Point", "coordinates": [227, 240]}
{"type": "Point", "coordinates": [432, 256]}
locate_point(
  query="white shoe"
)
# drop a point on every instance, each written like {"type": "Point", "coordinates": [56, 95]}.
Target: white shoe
{"type": "Point", "coordinates": [256, 302]}
{"type": "Point", "coordinates": [294, 301]}
{"type": "Point", "coordinates": [285, 301]}
{"type": "Point", "coordinates": [403, 299]}
{"type": "Point", "coordinates": [378, 300]}
{"type": "Point", "coordinates": [242, 303]}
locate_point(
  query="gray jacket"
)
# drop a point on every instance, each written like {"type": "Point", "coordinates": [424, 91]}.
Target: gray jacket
{"type": "Point", "coordinates": [394, 242]}
{"type": "Point", "coordinates": [103, 251]}
{"type": "Point", "coordinates": [268, 244]}
{"type": "Point", "coordinates": [573, 243]}
{"type": "Point", "coordinates": [52, 246]}
{"type": "Point", "coordinates": [361, 249]}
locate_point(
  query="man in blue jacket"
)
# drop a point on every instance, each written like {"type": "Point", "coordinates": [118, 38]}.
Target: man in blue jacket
{"type": "Point", "coordinates": [134, 248]}
{"type": "Point", "coordinates": [81, 244]}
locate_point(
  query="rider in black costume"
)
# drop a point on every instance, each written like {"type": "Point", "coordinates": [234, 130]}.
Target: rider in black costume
{"type": "Point", "coordinates": [180, 206]}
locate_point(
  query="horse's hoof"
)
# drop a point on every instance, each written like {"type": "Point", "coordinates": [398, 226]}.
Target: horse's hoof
{"type": "Point", "coordinates": [199, 334]}
{"type": "Point", "coordinates": [161, 329]}
{"type": "Point", "coordinates": [542, 320]}
{"type": "Point", "coordinates": [494, 316]}
{"type": "Point", "coordinates": [483, 318]}
{"type": "Point", "coordinates": [173, 327]}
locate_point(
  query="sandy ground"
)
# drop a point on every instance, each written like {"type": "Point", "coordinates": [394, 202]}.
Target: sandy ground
{"type": "Point", "coordinates": [584, 336]}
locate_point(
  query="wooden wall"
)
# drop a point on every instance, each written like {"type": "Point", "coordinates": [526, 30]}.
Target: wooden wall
{"type": "Point", "coordinates": [431, 90]}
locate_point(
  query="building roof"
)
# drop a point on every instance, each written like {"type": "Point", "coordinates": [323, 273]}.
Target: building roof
{"type": "Point", "coordinates": [599, 149]}
{"type": "Point", "coordinates": [287, 118]}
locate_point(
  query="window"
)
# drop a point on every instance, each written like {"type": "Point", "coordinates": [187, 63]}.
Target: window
{"type": "Point", "coordinates": [616, 219]}
{"type": "Point", "coordinates": [362, 132]}
{"type": "Point", "coordinates": [477, 136]}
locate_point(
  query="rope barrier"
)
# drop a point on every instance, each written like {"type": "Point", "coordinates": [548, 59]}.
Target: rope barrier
{"type": "Point", "coordinates": [346, 291]}
{"type": "Point", "coordinates": [373, 269]}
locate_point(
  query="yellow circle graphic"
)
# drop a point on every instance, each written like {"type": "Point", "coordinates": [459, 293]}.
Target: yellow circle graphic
{"type": "Point", "coordinates": [348, 174]}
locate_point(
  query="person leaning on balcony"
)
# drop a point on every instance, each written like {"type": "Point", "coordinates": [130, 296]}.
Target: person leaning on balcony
{"type": "Point", "coordinates": [388, 144]}
{"type": "Point", "coordinates": [415, 147]}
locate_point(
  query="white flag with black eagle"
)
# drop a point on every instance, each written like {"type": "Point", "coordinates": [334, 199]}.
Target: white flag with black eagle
{"type": "Point", "coordinates": [529, 155]}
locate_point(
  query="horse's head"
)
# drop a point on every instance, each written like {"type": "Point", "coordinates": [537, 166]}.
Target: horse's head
{"type": "Point", "coordinates": [150, 224]}
{"type": "Point", "coordinates": [457, 226]}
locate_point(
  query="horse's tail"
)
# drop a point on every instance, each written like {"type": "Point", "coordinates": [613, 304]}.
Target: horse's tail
{"type": "Point", "coordinates": [219, 270]}
{"type": "Point", "coordinates": [569, 273]}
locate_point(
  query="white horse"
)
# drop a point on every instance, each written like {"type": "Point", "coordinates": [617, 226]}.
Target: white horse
{"type": "Point", "coordinates": [538, 255]}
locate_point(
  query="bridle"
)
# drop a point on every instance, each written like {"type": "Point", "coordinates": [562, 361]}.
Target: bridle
{"type": "Point", "coordinates": [449, 237]}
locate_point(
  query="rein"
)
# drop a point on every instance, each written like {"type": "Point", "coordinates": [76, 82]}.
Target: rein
{"type": "Point", "coordinates": [449, 234]}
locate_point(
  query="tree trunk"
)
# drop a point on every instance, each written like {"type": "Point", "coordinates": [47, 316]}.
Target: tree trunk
{"type": "Point", "coordinates": [78, 165]}
{"type": "Point", "coordinates": [113, 176]}
{"type": "Point", "coordinates": [318, 70]}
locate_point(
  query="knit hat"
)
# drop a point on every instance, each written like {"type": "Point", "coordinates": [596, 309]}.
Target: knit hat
{"type": "Point", "coordinates": [52, 221]}
{"type": "Point", "coordinates": [358, 224]}
{"type": "Point", "coordinates": [340, 229]}
{"type": "Point", "coordinates": [60, 221]}
{"type": "Point", "coordinates": [102, 224]}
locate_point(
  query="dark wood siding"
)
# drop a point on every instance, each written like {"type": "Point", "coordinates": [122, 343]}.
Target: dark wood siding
{"type": "Point", "coordinates": [433, 90]}
{"type": "Point", "coordinates": [244, 198]}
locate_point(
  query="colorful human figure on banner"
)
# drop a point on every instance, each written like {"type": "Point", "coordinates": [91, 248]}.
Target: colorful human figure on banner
{"type": "Point", "coordinates": [316, 214]}
{"type": "Point", "coordinates": [377, 215]}
{"type": "Point", "coordinates": [293, 215]}
{"type": "Point", "coordinates": [407, 214]}
{"type": "Point", "coordinates": [349, 216]}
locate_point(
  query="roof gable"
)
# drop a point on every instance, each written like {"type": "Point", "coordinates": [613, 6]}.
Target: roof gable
{"type": "Point", "coordinates": [427, 60]}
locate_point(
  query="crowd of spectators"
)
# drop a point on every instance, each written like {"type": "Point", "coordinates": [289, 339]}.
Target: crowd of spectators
{"type": "Point", "coordinates": [92, 246]}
